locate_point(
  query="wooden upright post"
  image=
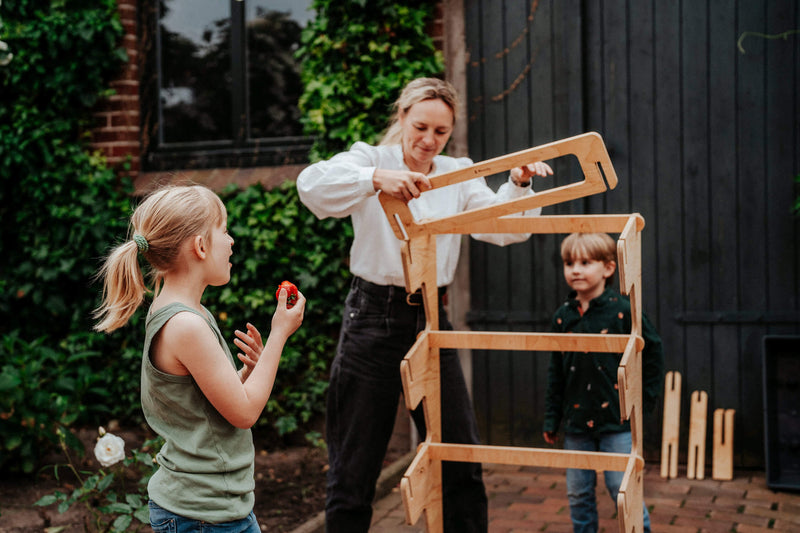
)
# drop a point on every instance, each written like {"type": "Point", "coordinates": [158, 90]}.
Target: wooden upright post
{"type": "Point", "coordinates": [722, 467]}
{"type": "Point", "coordinates": [670, 429]}
{"type": "Point", "coordinates": [698, 414]}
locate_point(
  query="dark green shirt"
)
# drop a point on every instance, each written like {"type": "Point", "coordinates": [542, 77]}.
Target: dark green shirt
{"type": "Point", "coordinates": [582, 389]}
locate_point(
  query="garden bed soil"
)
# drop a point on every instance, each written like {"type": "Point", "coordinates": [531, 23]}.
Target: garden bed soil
{"type": "Point", "coordinates": [290, 487]}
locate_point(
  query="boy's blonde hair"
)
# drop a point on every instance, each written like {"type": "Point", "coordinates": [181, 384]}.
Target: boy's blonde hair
{"type": "Point", "coordinates": [165, 220]}
{"type": "Point", "coordinates": [416, 91]}
{"type": "Point", "coordinates": [592, 246]}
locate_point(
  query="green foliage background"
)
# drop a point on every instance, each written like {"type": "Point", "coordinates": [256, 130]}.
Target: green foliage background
{"type": "Point", "coordinates": [357, 56]}
{"type": "Point", "coordinates": [62, 208]}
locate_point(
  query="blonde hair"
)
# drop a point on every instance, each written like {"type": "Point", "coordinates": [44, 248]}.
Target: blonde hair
{"type": "Point", "coordinates": [592, 246]}
{"type": "Point", "coordinates": [166, 219]}
{"type": "Point", "coordinates": [414, 92]}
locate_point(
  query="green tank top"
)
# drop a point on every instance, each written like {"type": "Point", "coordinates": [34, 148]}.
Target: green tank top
{"type": "Point", "coordinates": [206, 464]}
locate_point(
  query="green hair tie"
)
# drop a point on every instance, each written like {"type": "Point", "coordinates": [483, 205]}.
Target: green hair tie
{"type": "Point", "coordinates": [141, 242]}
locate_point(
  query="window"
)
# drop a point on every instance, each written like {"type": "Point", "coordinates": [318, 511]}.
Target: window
{"type": "Point", "coordinates": [221, 84]}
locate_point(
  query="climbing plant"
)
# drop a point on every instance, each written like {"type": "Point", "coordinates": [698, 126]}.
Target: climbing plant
{"type": "Point", "coordinates": [356, 56]}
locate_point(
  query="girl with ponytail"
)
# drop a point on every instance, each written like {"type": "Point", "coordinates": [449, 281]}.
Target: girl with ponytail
{"type": "Point", "coordinates": [192, 394]}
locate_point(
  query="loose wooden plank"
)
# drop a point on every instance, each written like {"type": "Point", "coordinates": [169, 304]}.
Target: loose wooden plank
{"type": "Point", "coordinates": [698, 414]}
{"type": "Point", "coordinates": [722, 467]}
{"type": "Point", "coordinates": [670, 431]}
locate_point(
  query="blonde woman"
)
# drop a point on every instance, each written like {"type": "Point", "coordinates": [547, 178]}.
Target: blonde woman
{"type": "Point", "coordinates": [192, 394]}
{"type": "Point", "coordinates": [379, 325]}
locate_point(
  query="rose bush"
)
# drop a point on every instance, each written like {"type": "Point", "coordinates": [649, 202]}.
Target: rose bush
{"type": "Point", "coordinates": [114, 504]}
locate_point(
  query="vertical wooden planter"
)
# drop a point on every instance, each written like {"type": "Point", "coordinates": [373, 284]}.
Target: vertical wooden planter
{"type": "Point", "coordinates": [421, 486]}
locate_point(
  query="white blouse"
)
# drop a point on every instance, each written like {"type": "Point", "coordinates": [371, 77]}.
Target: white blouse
{"type": "Point", "coordinates": [342, 186]}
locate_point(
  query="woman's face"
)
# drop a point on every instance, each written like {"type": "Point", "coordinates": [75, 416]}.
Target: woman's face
{"type": "Point", "coordinates": [426, 128]}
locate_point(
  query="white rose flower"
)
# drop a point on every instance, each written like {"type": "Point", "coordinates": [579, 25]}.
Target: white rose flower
{"type": "Point", "coordinates": [109, 449]}
{"type": "Point", "coordinates": [5, 55]}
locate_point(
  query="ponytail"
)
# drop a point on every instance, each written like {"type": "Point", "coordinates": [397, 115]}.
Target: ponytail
{"type": "Point", "coordinates": [159, 226]}
{"type": "Point", "coordinates": [123, 287]}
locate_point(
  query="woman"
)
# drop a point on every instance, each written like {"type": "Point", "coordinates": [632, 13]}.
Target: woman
{"type": "Point", "coordinates": [379, 324]}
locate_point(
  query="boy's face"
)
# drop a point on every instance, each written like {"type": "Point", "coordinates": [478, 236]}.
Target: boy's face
{"type": "Point", "coordinates": [587, 276]}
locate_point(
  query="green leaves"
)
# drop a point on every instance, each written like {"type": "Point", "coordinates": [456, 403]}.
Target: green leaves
{"type": "Point", "coordinates": [277, 238]}
{"type": "Point", "coordinates": [61, 207]}
{"type": "Point", "coordinates": [44, 389]}
{"type": "Point", "coordinates": [356, 58]}
{"type": "Point", "coordinates": [104, 494]}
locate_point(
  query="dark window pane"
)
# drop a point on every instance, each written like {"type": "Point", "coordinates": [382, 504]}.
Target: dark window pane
{"type": "Point", "coordinates": [195, 88]}
{"type": "Point", "coordinates": [273, 35]}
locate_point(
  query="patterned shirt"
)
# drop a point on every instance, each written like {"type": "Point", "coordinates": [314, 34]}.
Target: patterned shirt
{"type": "Point", "coordinates": [582, 388]}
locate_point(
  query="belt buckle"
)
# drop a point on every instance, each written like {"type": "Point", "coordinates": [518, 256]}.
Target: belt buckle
{"type": "Point", "coordinates": [414, 298]}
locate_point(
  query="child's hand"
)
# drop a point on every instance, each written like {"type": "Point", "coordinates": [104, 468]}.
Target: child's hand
{"type": "Point", "coordinates": [550, 437]}
{"type": "Point", "coordinates": [286, 321]}
{"type": "Point", "coordinates": [251, 344]}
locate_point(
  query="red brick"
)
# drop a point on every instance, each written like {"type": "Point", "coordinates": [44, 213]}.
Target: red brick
{"type": "Point", "coordinates": [124, 119]}
{"type": "Point", "coordinates": [785, 527]}
{"type": "Point", "coordinates": [671, 528]}
{"type": "Point", "coordinates": [754, 529]}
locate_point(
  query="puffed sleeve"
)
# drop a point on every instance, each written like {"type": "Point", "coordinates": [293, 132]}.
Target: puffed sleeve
{"type": "Point", "coordinates": [479, 194]}
{"type": "Point", "coordinates": [335, 187]}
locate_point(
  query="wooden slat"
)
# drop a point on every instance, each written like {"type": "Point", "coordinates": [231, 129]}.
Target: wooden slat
{"type": "Point", "coordinates": [629, 375]}
{"type": "Point", "coordinates": [505, 340]}
{"type": "Point", "coordinates": [416, 372]}
{"type": "Point", "coordinates": [550, 224]}
{"type": "Point", "coordinates": [510, 455]}
{"type": "Point", "coordinates": [630, 499]}
{"type": "Point", "coordinates": [421, 489]}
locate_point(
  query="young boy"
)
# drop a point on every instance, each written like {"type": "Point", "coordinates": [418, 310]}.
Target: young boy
{"type": "Point", "coordinates": [582, 387]}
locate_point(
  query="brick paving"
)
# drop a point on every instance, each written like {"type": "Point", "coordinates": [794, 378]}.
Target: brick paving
{"type": "Point", "coordinates": [528, 499]}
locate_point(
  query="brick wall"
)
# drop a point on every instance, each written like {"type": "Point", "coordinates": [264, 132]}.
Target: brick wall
{"type": "Point", "coordinates": [436, 29]}
{"type": "Point", "coordinates": [116, 131]}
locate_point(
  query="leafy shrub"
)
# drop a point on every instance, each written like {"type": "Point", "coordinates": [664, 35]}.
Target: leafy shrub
{"type": "Point", "coordinates": [356, 57]}
{"type": "Point", "coordinates": [42, 391]}
{"type": "Point", "coordinates": [113, 504]}
{"type": "Point", "coordinates": [277, 238]}
{"type": "Point", "coordinates": [60, 206]}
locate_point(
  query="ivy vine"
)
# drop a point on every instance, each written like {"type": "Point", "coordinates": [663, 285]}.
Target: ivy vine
{"type": "Point", "coordinates": [356, 57]}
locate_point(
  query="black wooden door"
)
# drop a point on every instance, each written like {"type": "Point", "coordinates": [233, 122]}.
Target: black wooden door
{"type": "Point", "coordinates": [704, 139]}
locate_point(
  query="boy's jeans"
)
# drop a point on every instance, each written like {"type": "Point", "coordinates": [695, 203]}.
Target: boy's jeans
{"type": "Point", "coordinates": [581, 483]}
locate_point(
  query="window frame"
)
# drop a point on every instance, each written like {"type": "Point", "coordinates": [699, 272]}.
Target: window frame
{"type": "Point", "coordinates": [241, 151]}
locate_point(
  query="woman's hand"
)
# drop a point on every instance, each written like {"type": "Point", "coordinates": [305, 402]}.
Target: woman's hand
{"type": "Point", "coordinates": [286, 321]}
{"type": "Point", "coordinates": [251, 345]}
{"type": "Point", "coordinates": [521, 176]}
{"type": "Point", "coordinates": [550, 437]}
{"type": "Point", "coordinates": [401, 184]}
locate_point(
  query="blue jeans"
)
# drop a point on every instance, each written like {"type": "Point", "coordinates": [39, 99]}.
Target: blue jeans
{"type": "Point", "coordinates": [581, 483]}
{"type": "Point", "coordinates": [378, 329]}
{"type": "Point", "coordinates": [163, 521]}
